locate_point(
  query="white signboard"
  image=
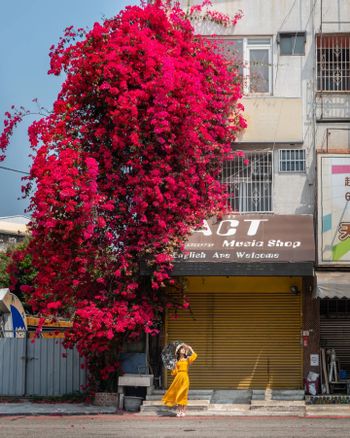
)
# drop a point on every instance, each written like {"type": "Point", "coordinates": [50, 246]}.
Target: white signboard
{"type": "Point", "coordinates": [314, 360]}
{"type": "Point", "coordinates": [333, 209]}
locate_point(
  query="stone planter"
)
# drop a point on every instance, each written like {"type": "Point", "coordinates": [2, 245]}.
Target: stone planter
{"type": "Point", "coordinates": [132, 404]}
{"type": "Point", "coordinates": [106, 399]}
{"type": "Point", "coordinates": [134, 380]}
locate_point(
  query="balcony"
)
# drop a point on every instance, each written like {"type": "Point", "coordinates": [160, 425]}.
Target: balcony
{"type": "Point", "coordinates": [272, 120]}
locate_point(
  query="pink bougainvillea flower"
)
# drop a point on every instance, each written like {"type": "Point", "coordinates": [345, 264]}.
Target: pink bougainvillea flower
{"type": "Point", "coordinates": [125, 166]}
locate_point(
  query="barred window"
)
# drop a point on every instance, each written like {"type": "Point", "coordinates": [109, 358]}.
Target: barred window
{"type": "Point", "coordinates": [334, 307]}
{"type": "Point", "coordinates": [333, 62]}
{"type": "Point", "coordinates": [248, 182]}
{"type": "Point", "coordinates": [292, 160]}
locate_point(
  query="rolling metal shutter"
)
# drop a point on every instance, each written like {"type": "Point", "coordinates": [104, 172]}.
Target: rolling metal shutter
{"type": "Point", "coordinates": [243, 340]}
{"type": "Point", "coordinates": [335, 333]}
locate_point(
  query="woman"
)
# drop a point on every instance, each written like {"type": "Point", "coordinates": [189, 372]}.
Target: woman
{"type": "Point", "coordinates": [177, 394]}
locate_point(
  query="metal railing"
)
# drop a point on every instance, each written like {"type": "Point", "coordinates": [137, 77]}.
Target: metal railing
{"type": "Point", "coordinates": [333, 62]}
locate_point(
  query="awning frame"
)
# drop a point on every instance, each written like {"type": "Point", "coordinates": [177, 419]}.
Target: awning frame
{"type": "Point", "coordinates": [332, 284]}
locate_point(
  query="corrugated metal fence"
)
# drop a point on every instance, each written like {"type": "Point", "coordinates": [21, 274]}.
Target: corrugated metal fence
{"type": "Point", "coordinates": [42, 368]}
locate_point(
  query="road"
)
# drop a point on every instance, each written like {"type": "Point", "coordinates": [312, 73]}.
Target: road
{"type": "Point", "coordinates": [130, 426]}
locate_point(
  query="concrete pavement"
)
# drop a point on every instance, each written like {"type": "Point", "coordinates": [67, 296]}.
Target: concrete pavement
{"type": "Point", "coordinates": [131, 426]}
{"type": "Point", "coordinates": [264, 409]}
{"type": "Point", "coordinates": [29, 408]}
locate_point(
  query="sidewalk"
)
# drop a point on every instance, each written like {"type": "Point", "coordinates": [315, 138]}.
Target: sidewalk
{"type": "Point", "coordinates": [327, 411]}
{"type": "Point", "coordinates": [29, 408]}
{"type": "Point", "coordinates": [273, 410]}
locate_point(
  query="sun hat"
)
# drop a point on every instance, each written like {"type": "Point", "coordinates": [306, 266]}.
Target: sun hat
{"type": "Point", "coordinates": [179, 346]}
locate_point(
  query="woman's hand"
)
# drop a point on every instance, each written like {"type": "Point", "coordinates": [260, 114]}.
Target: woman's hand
{"type": "Point", "coordinates": [189, 349]}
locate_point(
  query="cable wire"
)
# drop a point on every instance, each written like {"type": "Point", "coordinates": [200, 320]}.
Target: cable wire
{"type": "Point", "coordinates": [14, 170]}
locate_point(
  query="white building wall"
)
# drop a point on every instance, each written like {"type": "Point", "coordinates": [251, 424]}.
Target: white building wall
{"type": "Point", "coordinates": [335, 16]}
{"type": "Point", "coordinates": [293, 77]}
{"type": "Point", "coordinates": [333, 136]}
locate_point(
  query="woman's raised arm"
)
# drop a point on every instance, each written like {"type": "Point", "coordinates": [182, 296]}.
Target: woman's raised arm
{"type": "Point", "coordinates": [193, 356]}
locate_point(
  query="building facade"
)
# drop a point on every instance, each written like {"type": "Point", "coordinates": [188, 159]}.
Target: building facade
{"type": "Point", "coordinates": [258, 316]}
{"type": "Point", "coordinates": [13, 230]}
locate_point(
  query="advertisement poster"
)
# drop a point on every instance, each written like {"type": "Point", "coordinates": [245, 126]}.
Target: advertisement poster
{"type": "Point", "coordinates": [333, 209]}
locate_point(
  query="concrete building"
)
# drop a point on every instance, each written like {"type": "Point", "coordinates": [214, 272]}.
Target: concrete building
{"type": "Point", "coordinates": [13, 230]}
{"type": "Point", "coordinates": [256, 319]}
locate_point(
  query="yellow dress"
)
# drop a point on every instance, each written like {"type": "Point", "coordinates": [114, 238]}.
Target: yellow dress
{"type": "Point", "coordinates": [177, 394]}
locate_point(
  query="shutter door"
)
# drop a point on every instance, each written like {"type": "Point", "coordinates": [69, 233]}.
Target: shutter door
{"type": "Point", "coordinates": [243, 340]}
{"type": "Point", "coordinates": [335, 333]}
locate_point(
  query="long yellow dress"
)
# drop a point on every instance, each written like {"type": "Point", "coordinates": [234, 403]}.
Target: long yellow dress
{"type": "Point", "coordinates": [177, 394]}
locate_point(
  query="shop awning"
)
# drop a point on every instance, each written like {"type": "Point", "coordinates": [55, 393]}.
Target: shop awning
{"type": "Point", "coordinates": [332, 285]}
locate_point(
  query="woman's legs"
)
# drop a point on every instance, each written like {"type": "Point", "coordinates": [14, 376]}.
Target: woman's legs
{"type": "Point", "coordinates": [181, 411]}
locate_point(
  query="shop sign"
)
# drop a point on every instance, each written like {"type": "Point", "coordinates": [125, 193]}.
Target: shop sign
{"type": "Point", "coordinates": [333, 210]}
{"type": "Point", "coordinates": [252, 238]}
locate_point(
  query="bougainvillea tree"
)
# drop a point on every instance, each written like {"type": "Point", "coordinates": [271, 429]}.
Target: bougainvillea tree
{"type": "Point", "coordinates": [16, 270]}
{"type": "Point", "coordinates": [125, 165]}
{"type": "Point", "coordinates": [4, 275]}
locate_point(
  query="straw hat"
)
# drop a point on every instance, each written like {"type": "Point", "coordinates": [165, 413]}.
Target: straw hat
{"type": "Point", "coordinates": [178, 347]}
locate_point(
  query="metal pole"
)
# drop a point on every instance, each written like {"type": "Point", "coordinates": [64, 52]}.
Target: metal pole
{"type": "Point", "coordinates": [147, 353]}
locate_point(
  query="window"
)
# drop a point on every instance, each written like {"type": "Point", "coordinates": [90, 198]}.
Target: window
{"type": "Point", "coordinates": [292, 160]}
{"type": "Point", "coordinates": [254, 60]}
{"type": "Point", "coordinates": [259, 65]}
{"type": "Point", "coordinates": [291, 43]}
{"type": "Point", "coordinates": [333, 62]}
{"type": "Point", "coordinates": [249, 186]}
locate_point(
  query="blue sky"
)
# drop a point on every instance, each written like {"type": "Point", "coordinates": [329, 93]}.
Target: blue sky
{"type": "Point", "coordinates": [27, 30]}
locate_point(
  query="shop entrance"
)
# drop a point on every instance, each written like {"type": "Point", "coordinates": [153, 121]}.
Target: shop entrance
{"type": "Point", "coordinates": [335, 331]}
{"type": "Point", "coordinates": [244, 339]}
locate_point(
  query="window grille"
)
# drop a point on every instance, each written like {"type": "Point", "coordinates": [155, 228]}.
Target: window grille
{"type": "Point", "coordinates": [292, 160]}
{"type": "Point", "coordinates": [248, 182]}
{"type": "Point", "coordinates": [333, 307]}
{"type": "Point", "coordinates": [333, 62]}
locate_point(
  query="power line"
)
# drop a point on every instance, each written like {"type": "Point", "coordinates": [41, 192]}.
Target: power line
{"type": "Point", "coordinates": [14, 170]}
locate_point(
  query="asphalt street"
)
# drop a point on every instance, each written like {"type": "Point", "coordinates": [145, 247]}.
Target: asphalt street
{"type": "Point", "coordinates": [131, 426]}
